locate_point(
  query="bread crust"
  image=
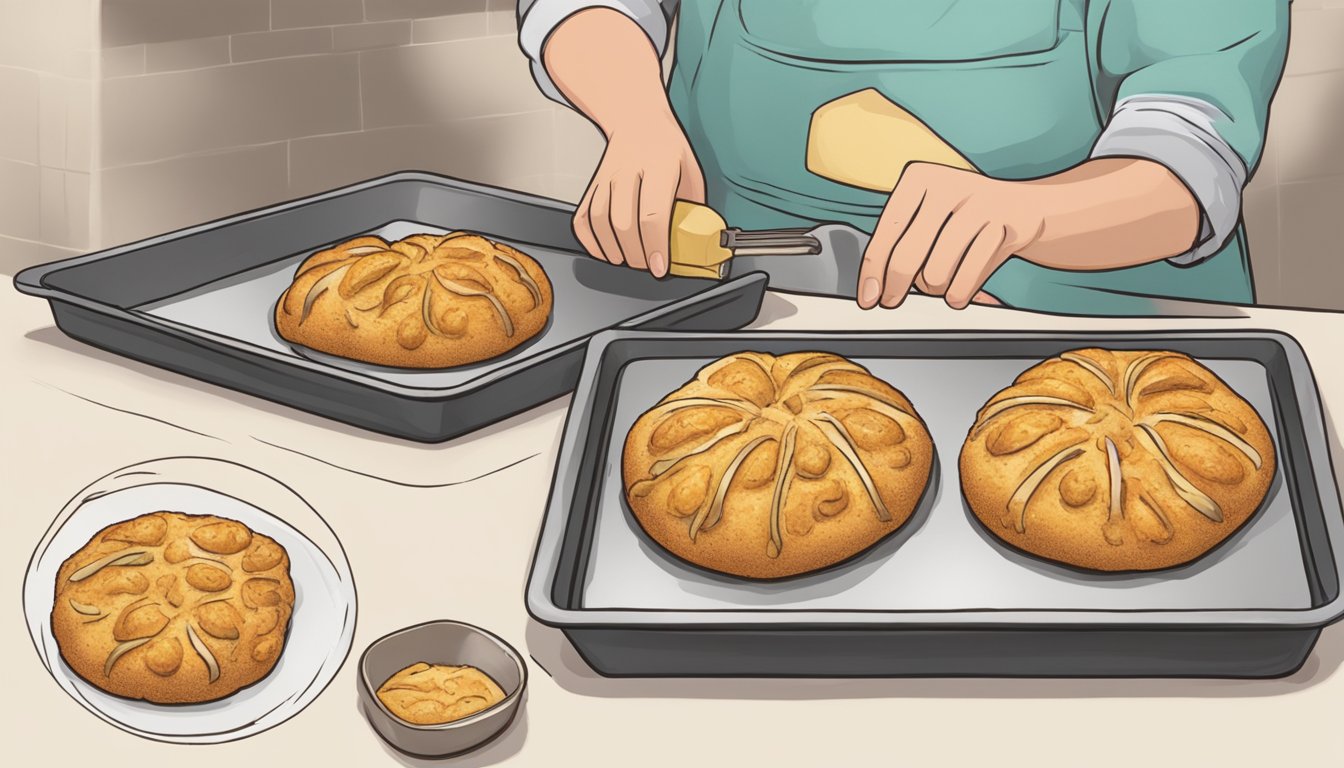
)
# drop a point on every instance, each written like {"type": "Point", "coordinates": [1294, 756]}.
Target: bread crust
{"type": "Point", "coordinates": [425, 301]}
{"type": "Point", "coordinates": [1116, 461]}
{"type": "Point", "coordinates": [173, 608]}
{"type": "Point", "coordinates": [747, 469]}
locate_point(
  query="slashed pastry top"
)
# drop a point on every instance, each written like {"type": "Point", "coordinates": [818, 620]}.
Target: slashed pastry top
{"type": "Point", "coordinates": [1117, 460]}
{"type": "Point", "coordinates": [766, 466]}
{"type": "Point", "coordinates": [425, 301]}
{"type": "Point", "coordinates": [173, 608]}
{"type": "Point", "coordinates": [430, 694]}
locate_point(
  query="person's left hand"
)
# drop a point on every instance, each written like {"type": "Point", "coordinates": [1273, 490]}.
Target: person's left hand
{"type": "Point", "coordinates": [945, 231]}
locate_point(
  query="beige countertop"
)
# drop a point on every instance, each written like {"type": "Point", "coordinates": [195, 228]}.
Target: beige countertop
{"type": "Point", "coordinates": [74, 413]}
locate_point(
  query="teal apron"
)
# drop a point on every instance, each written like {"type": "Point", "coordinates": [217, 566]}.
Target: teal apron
{"type": "Point", "coordinates": [1010, 85]}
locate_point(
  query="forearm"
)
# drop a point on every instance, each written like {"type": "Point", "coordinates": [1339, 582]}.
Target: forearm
{"type": "Point", "coordinates": [606, 66]}
{"type": "Point", "coordinates": [606, 63]}
{"type": "Point", "coordinates": [1109, 213]}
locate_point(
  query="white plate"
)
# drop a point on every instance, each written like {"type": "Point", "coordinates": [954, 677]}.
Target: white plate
{"type": "Point", "coordinates": [320, 631]}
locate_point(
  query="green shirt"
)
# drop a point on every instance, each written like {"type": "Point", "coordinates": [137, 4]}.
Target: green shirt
{"type": "Point", "coordinates": [1022, 89]}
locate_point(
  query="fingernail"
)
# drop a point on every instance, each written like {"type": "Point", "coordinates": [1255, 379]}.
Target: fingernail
{"type": "Point", "coordinates": [657, 264]}
{"type": "Point", "coordinates": [869, 291]}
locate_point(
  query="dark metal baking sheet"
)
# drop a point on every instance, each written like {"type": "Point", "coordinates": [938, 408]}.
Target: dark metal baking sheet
{"type": "Point", "coordinates": [942, 596]}
{"type": "Point", "coordinates": [1261, 568]}
{"type": "Point", "coordinates": [200, 302]}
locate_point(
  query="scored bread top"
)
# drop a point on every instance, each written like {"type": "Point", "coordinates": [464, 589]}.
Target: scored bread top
{"type": "Point", "coordinates": [173, 608]}
{"type": "Point", "coordinates": [425, 301]}
{"type": "Point", "coordinates": [766, 466]}
{"type": "Point", "coordinates": [1116, 460]}
{"type": "Point", "coordinates": [429, 694]}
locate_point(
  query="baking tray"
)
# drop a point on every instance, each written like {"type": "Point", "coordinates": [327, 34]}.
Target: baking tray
{"type": "Point", "coordinates": [941, 597]}
{"type": "Point", "coordinates": [199, 301]}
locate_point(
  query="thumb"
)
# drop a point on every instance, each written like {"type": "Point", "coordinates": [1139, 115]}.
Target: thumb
{"type": "Point", "coordinates": [655, 216]}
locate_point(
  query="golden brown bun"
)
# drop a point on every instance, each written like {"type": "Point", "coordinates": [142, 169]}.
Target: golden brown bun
{"type": "Point", "coordinates": [425, 301]}
{"type": "Point", "coordinates": [173, 608]}
{"type": "Point", "coordinates": [1190, 459]}
{"type": "Point", "coordinates": [429, 694]}
{"type": "Point", "coordinates": [766, 466]}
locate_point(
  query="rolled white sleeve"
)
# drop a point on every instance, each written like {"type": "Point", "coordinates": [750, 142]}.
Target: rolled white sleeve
{"type": "Point", "coordinates": [538, 18]}
{"type": "Point", "coordinates": [1178, 132]}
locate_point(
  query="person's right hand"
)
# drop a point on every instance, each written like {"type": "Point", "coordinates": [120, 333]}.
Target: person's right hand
{"type": "Point", "coordinates": [626, 214]}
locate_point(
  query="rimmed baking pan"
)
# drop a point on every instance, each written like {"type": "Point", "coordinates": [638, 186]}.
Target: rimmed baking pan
{"type": "Point", "coordinates": [199, 301]}
{"type": "Point", "coordinates": [941, 597]}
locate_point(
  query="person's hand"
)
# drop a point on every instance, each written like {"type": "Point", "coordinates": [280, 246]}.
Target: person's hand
{"type": "Point", "coordinates": [945, 231]}
{"type": "Point", "coordinates": [625, 216]}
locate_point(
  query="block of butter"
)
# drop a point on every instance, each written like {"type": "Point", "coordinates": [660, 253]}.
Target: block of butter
{"type": "Point", "coordinates": [865, 140]}
{"type": "Point", "coordinates": [862, 139]}
{"type": "Point", "coordinates": [696, 237]}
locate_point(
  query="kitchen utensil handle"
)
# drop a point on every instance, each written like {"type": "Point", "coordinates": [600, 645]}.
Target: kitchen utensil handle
{"type": "Point", "coordinates": [792, 241]}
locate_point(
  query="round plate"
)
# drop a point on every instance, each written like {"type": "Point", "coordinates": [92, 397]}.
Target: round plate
{"type": "Point", "coordinates": [320, 631]}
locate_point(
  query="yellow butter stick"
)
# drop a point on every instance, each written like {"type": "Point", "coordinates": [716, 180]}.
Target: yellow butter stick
{"type": "Point", "coordinates": [696, 232]}
{"type": "Point", "coordinates": [865, 140]}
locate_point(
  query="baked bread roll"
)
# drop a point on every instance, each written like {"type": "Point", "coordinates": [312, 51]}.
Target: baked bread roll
{"type": "Point", "coordinates": [1116, 460]}
{"type": "Point", "coordinates": [430, 694]}
{"type": "Point", "coordinates": [426, 301]}
{"type": "Point", "coordinates": [766, 466]}
{"type": "Point", "coordinates": [173, 608]}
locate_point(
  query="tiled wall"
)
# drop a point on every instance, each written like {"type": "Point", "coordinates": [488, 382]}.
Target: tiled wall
{"type": "Point", "coordinates": [196, 109]}
{"type": "Point", "coordinates": [1294, 204]}
{"type": "Point", "coordinates": [47, 152]}
{"type": "Point", "coordinates": [216, 106]}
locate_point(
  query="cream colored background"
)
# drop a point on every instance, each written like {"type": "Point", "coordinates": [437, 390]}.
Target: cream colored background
{"type": "Point", "coordinates": [128, 118]}
{"type": "Point", "coordinates": [80, 419]}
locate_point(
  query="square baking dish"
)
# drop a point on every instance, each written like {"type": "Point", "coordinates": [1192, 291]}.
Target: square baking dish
{"type": "Point", "coordinates": [199, 301]}
{"type": "Point", "coordinates": [941, 597]}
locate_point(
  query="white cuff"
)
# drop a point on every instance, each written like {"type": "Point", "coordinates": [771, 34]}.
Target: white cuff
{"type": "Point", "coordinates": [1178, 132]}
{"type": "Point", "coordinates": [537, 19]}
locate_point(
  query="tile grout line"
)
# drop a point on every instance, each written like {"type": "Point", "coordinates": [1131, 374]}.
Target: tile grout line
{"type": "Point", "coordinates": [95, 212]}
{"type": "Point", "coordinates": [1278, 230]}
{"type": "Point", "coordinates": [1325, 177]}
{"type": "Point", "coordinates": [243, 63]}
{"type": "Point", "coordinates": [214, 152]}
{"type": "Point", "coordinates": [257, 145]}
{"type": "Point", "coordinates": [27, 241]}
{"type": "Point", "coordinates": [236, 62]}
{"type": "Point", "coordinates": [359, 83]}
